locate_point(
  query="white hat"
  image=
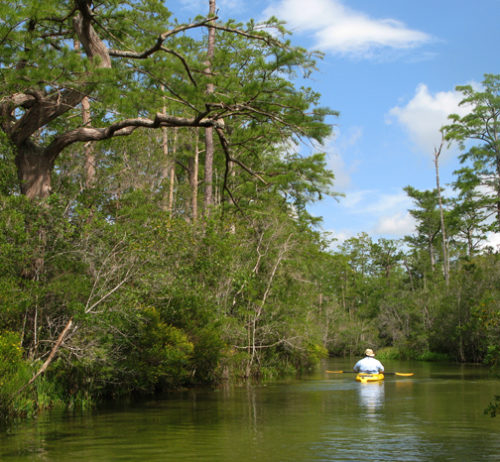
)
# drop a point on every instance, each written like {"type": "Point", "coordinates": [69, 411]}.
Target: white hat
{"type": "Point", "coordinates": [369, 352]}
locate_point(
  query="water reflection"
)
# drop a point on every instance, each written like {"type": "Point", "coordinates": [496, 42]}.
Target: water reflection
{"type": "Point", "coordinates": [371, 397]}
{"type": "Point", "coordinates": [314, 419]}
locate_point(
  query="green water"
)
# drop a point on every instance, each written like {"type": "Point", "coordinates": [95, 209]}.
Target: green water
{"type": "Point", "coordinates": [436, 415]}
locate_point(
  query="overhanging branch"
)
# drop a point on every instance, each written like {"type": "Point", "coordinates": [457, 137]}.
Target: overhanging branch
{"type": "Point", "coordinates": [225, 147]}
{"type": "Point", "coordinates": [122, 128]}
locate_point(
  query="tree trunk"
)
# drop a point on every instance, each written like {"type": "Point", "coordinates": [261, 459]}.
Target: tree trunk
{"type": "Point", "coordinates": [168, 171]}
{"type": "Point", "coordinates": [172, 173]}
{"type": "Point", "coordinates": [470, 246]}
{"type": "Point", "coordinates": [209, 160]}
{"type": "Point", "coordinates": [431, 255]}
{"type": "Point", "coordinates": [34, 171]}
{"type": "Point", "coordinates": [88, 147]}
{"type": "Point", "coordinates": [193, 177]}
{"type": "Point", "coordinates": [437, 153]}
{"type": "Point", "coordinates": [165, 173]}
{"type": "Point", "coordinates": [209, 139]}
{"type": "Point", "coordinates": [498, 187]}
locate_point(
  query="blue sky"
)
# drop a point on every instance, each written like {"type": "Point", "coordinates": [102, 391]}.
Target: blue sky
{"type": "Point", "coordinates": [390, 68]}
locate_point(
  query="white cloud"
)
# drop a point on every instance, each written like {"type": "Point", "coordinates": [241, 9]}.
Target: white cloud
{"type": "Point", "coordinates": [351, 138]}
{"type": "Point", "coordinates": [340, 236]}
{"type": "Point", "coordinates": [390, 226]}
{"type": "Point", "coordinates": [493, 240]}
{"type": "Point", "coordinates": [353, 199]}
{"type": "Point", "coordinates": [424, 115]}
{"type": "Point", "coordinates": [382, 214]}
{"type": "Point", "coordinates": [375, 203]}
{"type": "Point", "coordinates": [385, 202]}
{"type": "Point", "coordinates": [335, 148]}
{"type": "Point", "coordinates": [342, 30]}
{"type": "Point", "coordinates": [342, 175]}
{"type": "Point", "coordinates": [400, 224]}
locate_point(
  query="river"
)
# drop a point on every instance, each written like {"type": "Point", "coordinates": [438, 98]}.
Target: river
{"type": "Point", "coordinates": [435, 415]}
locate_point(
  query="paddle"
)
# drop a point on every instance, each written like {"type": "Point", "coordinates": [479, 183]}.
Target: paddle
{"type": "Point", "coordinates": [401, 374]}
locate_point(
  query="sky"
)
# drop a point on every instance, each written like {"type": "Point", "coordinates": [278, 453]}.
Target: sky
{"type": "Point", "coordinates": [390, 68]}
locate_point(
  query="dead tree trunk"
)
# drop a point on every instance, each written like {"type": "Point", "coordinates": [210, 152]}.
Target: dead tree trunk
{"type": "Point", "coordinates": [437, 153]}
{"type": "Point", "coordinates": [193, 177]}
{"type": "Point", "coordinates": [165, 173]}
{"type": "Point", "coordinates": [209, 139]}
{"type": "Point", "coordinates": [171, 183]}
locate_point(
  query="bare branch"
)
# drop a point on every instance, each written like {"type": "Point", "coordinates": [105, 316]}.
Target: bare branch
{"type": "Point", "coordinates": [14, 26]}
{"type": "Point", "coordinates": [51, 356]}
{"type": "Point", "coordinates": [225, 147]}
{"type": "Point", "coordinates": [268, 39]}
{"type": "Point", "coordinates": [282, 253]}
{"type": "Point", "coordinates": [60, 20]}
{"type": "Point", "coordinates": [161, 80]}
{"type": "Point", "coordinates": [184, 63]}
{"type": "Point", "coordinates": [159, 41]}
{"type": "Point", "coordinates": [271, 345]}
{"type": "Point", "coordinates": [110, 292]}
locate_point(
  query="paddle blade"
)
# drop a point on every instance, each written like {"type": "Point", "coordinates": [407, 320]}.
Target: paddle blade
{"type": "Point", "coordinates": [335, 372]}
{"type": "Point", "coordinates": [404, 374]}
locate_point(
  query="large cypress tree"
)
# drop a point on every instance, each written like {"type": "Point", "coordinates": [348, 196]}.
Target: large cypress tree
{"type": "Point", "coordinates": [134, 61]}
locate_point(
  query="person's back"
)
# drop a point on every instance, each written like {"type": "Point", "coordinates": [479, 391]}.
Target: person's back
{"type": "Point", "coordinates": [369, 365]}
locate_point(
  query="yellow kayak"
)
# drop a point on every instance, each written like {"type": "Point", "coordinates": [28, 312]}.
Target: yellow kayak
{"type": "Point", "coordinates": [365, 378]}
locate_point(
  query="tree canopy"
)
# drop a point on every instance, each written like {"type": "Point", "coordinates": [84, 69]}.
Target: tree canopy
{"type": "Point", "coordinates": [131, 60]}
{"type": "Point", "coordinates": [478, 134]}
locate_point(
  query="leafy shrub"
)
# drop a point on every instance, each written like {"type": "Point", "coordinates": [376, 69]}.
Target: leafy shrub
{"type": "Point", "coordinates": [388, 353]}
{"type": "Point", "coordinates": [432, 356]}
{"type": "Point", "coordinates": [159, 355]}
{"type": "Point", "coordinates": [11, 355]}
{"type": "Point", "coordinates": [13, 372]}
{"type": "Point", "coordinates": [209, 349]}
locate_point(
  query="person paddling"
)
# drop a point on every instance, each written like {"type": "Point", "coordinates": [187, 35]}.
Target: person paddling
{"type": "Point", "coordinates": [369, 365]}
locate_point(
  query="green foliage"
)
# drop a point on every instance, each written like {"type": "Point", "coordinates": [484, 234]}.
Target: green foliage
{"type": "Point", "coordinates": [13, 372]}
{"type": "Point", "coordinates": [157, 356]}
{"type": "Point", "coordinates": [208, 354]}
{"type": "Point", "coordinates": [433, 356]}
{"type": "Point", "coordinates": [388, 353]}
{"type": "Point", "coordinates": [493, 407]}
{"type": "Point", "coordinates": [11, 355]}
{"type": "Point", "coordinates": [478, 136]}
{"type": "Point", "coordinates": [8, 174]}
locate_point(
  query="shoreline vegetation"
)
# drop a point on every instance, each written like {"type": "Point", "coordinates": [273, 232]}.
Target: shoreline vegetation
{"type": "Point", "coordinates": [154, 224]}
